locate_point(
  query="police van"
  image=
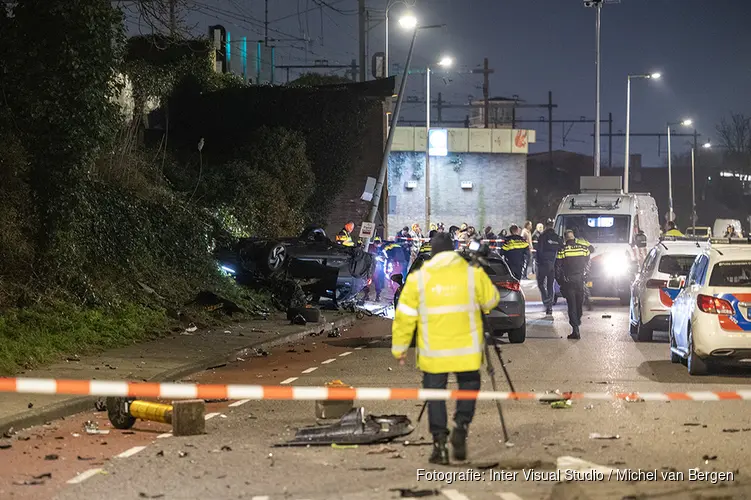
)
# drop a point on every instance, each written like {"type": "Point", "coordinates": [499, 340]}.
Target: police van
{"type": "Point", "coordinates": [621, 227]}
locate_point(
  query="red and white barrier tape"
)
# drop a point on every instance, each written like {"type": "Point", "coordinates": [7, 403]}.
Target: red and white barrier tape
{"type": "Point", "coordinates": [261, 392]}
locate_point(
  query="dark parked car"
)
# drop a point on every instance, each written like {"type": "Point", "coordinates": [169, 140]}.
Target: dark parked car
{"type": "Point", "coordinates": [323, 268]}
{"type": "Point", "coordinates": [509, 316]}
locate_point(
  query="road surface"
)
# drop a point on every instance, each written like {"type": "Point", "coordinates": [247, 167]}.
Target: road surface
{"type": "Point", "coordinates": [235, 459]}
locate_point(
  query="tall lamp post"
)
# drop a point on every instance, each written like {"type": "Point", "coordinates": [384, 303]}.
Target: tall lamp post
{"type": "Point", "coordinates": [685, 123]}
{"type": "Point", "coordinates": [407, 23]}
{"type": "Point", "coordinates": [407, 20]}
{"type": "Point", "coordinates": [694, 217]}
{"type": "Point", "coordinates": [654, 76]}
{"type": "Point", "coordinates": [444, 62]}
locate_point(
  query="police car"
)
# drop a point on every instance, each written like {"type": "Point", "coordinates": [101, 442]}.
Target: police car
{"type": "Point", "coordinates": [651, 298]}
{"type": "Point", "coordinates": [710, 320]}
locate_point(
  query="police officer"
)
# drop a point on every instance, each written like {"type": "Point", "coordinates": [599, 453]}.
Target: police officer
{"type": "Point", "coordinates": [571, 266]}
{"type": "Point", "coordinates": [516, 252]}
{"type": "Point", "coordinates": [549, 243]}
{"type": "Point", "coordinates": [344, 237]}
{"type": "Point", "coordinates": [397, 257]}
{"type": "Point", "coordinates": [445, 300]}
{"type": "Point", "coordinates": [379, 255]}
{"type": "Point", "coordinates": [672, 229]}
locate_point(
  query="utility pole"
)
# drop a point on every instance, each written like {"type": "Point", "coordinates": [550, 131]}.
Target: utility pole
{"type": "Point", "coordinates": [550, 126]}
{"type": "Point", "coordinates": [172, 17]}
{"type": "Point", "coordinates": [266, 24]}
{"type": "Point", "coordinates": [486, 90]}
{"type": "Point", "coordinates": [610, 140]}
{"type": "Point", "coordinates": [361, 15]}
{"type": "Point", "coordinates": [597, 95]}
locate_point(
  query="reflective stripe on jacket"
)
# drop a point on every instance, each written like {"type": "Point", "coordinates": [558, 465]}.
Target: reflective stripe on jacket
{"type": "Point", "coordinates": [444, 299]}
{"type": "Point", "coordinates": [516, 252]}
{"type": "Point", "coordinates": [674, 232]}
{"type": "Point", "coordinates": [344, 238]}
{"type": "Point", "coordinates": [572, 261]}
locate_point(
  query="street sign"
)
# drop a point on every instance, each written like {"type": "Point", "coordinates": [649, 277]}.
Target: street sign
{"type": "Point", "coordinates": [378, 65]}
{"type": "Point", "coordinates": [367, 230]}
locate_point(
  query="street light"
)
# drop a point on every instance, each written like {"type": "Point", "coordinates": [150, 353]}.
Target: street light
{"type": "Point", "coordinates": [652, 76]}
{"type": "Point", "coordinates": [377, 191]}
{"type": "Point", "coordinates": [444, 62]}
{"type": "Point", "coordinates": [407, 21]}
{"type": "Point", "coordinates": [707, 145]}
{"type": "Point", "coordinates": [687, 122]}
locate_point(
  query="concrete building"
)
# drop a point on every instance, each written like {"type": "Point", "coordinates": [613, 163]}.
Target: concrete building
{"type": "Point", "coordinates": [478, 176]}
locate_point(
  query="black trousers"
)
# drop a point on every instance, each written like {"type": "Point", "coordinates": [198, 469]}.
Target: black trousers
{"type": "Point", "coordinates": [465, 409]}
{"type": "Point", "coordinates": [546, 282]}
{"type": "Point", "coordinates": [575, 301]}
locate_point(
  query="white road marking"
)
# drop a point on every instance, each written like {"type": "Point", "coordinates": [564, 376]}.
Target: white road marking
{"type": "Point", "coordinates": [328, 361]}
{"type": "Point", "coordinates": [310, 370]}
{"type": "Point", "coordinates": [288, 380]}
{"type": "Point", "coordinates": [209, 416]}
{"type": "Point", "coordinates": [345, 354]}
{"type": "Point", "coordinates": [84, 476]}
{"type": "Point", "coordinates": [509, 496]}
{"type": "Point", "coordinates": [131, 452]}
{"type": "Point", "coordinates": [358, 348]}
{"type": "Point", "coordinates": [264, 497]}
{"type": "Point", "coordinates": [573, 463]}
{"type": "Point", "coordinates": [239, 403]}
{"type": "Point", "coordinates": [165, 435]}
{"type": "Point", "coordinates": [454, 495]}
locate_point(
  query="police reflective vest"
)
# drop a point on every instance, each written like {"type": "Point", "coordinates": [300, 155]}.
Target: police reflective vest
{"type": "Point", "coordinates": [673, 232]}
{"type": "Point", "coordinates": [516, 251]}
{"type": "Point", "coordinates": [444, 299]}
{"type": "Point", "coordinates": [425, 249]}
{"type": "Point", "coordinates": [344, 238]}
{"type": "Point", "coordinates": [583, 242]}
{"type": "Point", "coordinates": [572, 260]}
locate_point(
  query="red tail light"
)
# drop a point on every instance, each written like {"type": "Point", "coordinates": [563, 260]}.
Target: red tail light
{"type": "Point", "coordinates": [713, 305]}
{"type": "Point", "coordinates": [657, 284]}
{"type": "Point", "coordinates": [509, 285]}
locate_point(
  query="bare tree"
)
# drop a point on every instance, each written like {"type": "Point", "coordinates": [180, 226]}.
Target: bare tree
{"type": "Point", "coordinates": [735, 139]}
{"type": "Point", "coordinates": [158, 16]}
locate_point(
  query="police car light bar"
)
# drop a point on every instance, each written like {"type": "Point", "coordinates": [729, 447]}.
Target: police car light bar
{"type": "Point", "coordinates": [684, 238]}
{"type": "Point", "coordinates": [730, 241]}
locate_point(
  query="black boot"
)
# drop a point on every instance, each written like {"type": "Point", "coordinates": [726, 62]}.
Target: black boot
{"type": "Point", "coordinates": [440, 453]}
{"type": "Point", "coordinates": [575, 334]}
{"type": "Point", "coordinates": [459, 442]}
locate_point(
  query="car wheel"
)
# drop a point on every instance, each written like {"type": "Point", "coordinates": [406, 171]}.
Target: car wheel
{"type": "Point", "coordinates": [272, 258]}
{"type": "Point", "coordinates": [696, 365]}
{"type": "Point", "coordinates": [519, 335]}
{"type": "Point", "coordinates": [643, 334]}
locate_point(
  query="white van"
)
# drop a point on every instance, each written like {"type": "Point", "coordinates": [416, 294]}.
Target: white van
{"type": "Point", "coordinates": [721, 225]}
{"type": "Point", "coordinates": [611, 220]}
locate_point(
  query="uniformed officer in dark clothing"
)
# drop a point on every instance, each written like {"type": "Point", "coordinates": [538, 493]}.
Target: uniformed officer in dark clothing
{"type": "Point", "coordinates": [549, 243]}
{"type": "Point", "coordinates": [571, 266]}
{"type": "Point", "coordinates": [515, 251]}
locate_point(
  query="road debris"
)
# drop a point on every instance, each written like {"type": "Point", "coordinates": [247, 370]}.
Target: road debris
{"type": "Point", "coordinates": [344, 446]}
{"type": "Point", "coordinates": [634, 398]}
{"type": "Point", "coordinates": [182, 454]}
{"type": "Point", "coordinates": [589, 407]}
{"type": "Point", "coordinates": [335, 333]}
{"type": "Point", "coordinates": [86, 458]}
{"type": "Point", "coordinates": [226, 448]}
{"type": "Point", "coordinates": [372, 469]}
{"type": "Point", "coordinates": [707, 458]}
{"type": "Point", "coordinates": [51, 456]}
{"type": "Point", "coordinates": [558, 405]}
{"type": "Point", "coordinates": [30, 405]}
{"type": "Point", "coordinates": [355, 427]}
{"type": "Point", "coordinates": [260, 352]}
{"type": "Point", "coordinates": [100, 405]}
{"type": "Point", "coordinates": [596, 435]}
{"type": "Point", "coordinates": [606, 316]}
{"type": "Point", "coordinates": [271, 459]}
{"type": "Point", "coordinates": [146, 495]}
{"type": "Point", "coordinates": [9, 433]}
{"type": "Point", "coordinates": [223, 400]}
{"type": "Point", "coordinates": [5, 445]}
{"type": "Point", "coordinates": [383, 449]}
{"type": "Point", "coordinates": [414, 493]}
{"type": "Point", "coordinates": [160, 453]}
{"type": "Point", "coordinates": [692, 424]}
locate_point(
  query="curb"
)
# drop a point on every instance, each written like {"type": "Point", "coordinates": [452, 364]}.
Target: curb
{"type": "Point", "coordinates": [72, 406]}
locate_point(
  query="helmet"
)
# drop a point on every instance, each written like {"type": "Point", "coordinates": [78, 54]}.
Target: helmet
{"type": "Point", "coordinates": [463, 227]}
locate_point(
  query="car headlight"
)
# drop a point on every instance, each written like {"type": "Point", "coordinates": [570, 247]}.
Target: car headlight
{"type": "Point", "coordinates": [616, 264]}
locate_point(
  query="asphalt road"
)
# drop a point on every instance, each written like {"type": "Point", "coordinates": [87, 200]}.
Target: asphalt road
{"type": "Point", "coordinates": [235, 458]}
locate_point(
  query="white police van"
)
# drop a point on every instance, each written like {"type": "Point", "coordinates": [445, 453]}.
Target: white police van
{"type": "Point", "coordinates": [620, 226]}
{"type": "Point", "coordinates": [710, 320]}
{"type": "Point", "coordinates": [651, 298]}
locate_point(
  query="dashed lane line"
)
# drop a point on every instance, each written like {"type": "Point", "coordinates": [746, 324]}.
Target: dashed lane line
{"type": "Point", "coordinates": [209, 416]}
{"type": "Point", "coordinates": [359, 348]}
{"type": "Point", "coordinates": [84, 476]}
{"type": "Point", "coordinates": [310, 370]}
{"type": "Point", "coordinates": [288, 380]}
{"type": "Point", "coordinates": [454, 495]}
{"type": "Point", "coordinates": [239, 403]}
{"type": "Point", "coordinates": [131, 452]}
{"type": "Point", "coordinates": [345, 354]}
{"type": "Point", "coordinates": [328, 361]}
{"type": "Point", "coordinates": [165, 435]}
{"type": "Point", "coordinates": [264, 497]}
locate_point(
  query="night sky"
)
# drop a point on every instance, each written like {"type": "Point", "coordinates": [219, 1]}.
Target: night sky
{"type": "Point", "coordinates": [702, 48]}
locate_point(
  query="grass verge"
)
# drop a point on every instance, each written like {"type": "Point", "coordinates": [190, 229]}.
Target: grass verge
{"type": "Point", "coordinates": [43, 334]}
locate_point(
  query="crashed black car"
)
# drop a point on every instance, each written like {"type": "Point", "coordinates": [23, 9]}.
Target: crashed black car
{"type": "Point", "coordinates": [322, 268]}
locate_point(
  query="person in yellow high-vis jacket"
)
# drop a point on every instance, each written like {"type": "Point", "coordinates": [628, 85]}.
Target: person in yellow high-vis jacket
{"type": "Point", "coordinates": [444, 301]}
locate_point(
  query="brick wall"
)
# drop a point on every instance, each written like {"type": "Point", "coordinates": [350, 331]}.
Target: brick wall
{"type": "Point", "coordinates": [498, 196]}
{"type": "Point", "coordinates": [348, 205]}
